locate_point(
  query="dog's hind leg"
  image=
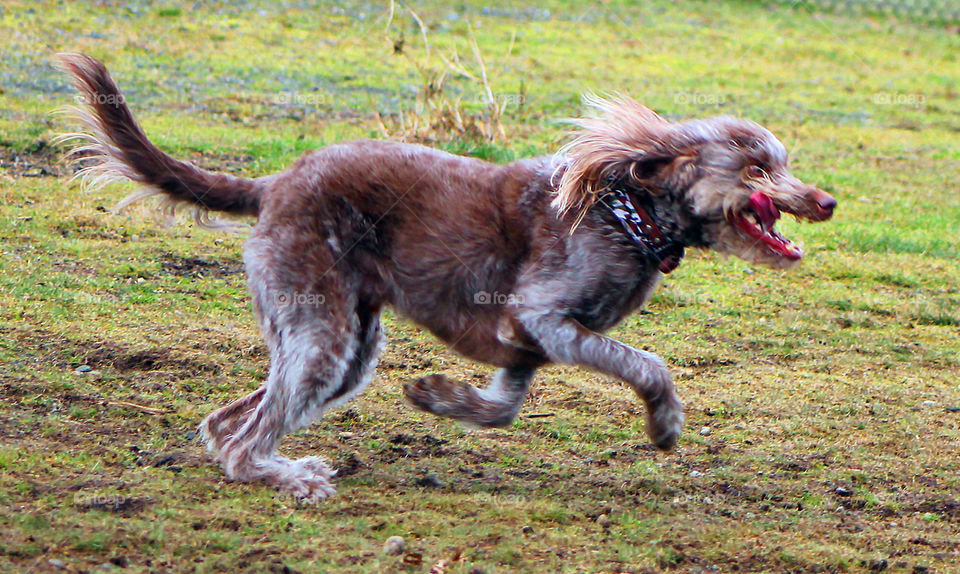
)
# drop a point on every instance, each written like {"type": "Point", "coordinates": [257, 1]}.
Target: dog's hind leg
{"type": "Point", "coordinates": [494, 406]}
{"type": "Point", "coordinates": [315, 372]}
{"type": "Point", "coordinates": [324, 345]}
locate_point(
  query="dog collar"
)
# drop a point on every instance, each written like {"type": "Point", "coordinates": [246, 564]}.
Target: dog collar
{"type": "Point", "coordinates": [643, 230]}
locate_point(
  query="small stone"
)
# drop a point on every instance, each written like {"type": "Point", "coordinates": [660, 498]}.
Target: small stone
{"type": "Point", "coordinates": [705, 431]}
{"type": "Point", "coordinates": [84, 369]}
{"type": "Point", "coordinates": [695, 474]}
{"type": "Point", "coordinates": [603, 520]}
{"type": "Point", "coordinates": [57, 563]}
{"type": "Point", "coordinates": [394, 546]}
{"type": "Point", "coordinates": [929, 403]}
{"type": "Point", "coordinates": [527, 529]}
{"type": "Point", "coordinates": [841, 491]}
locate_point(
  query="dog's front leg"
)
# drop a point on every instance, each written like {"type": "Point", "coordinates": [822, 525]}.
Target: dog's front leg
{"type": "Point", "coordinates": [565, 340]}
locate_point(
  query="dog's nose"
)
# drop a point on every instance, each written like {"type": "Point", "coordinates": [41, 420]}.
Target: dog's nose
{"type": "Point", "coordinates": [825, 204]}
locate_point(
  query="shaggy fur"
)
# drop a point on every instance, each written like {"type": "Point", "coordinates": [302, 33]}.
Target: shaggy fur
{"type": "Point", "coordinates": [516, 266]}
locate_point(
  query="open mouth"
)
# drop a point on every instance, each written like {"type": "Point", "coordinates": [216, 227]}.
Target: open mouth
{"type": "Point", "coordinates": [756, 222]}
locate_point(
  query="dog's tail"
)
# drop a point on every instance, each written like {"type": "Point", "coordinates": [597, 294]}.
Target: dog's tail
{"type": "Point", "coordinates": [119, 149]}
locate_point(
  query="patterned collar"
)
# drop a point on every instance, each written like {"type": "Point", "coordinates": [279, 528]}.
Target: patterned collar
{"type": "Point", "coordinates": [643, 230]}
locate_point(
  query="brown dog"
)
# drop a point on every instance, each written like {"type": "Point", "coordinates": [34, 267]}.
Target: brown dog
{"type": "Point", "coordinates": [517, 266]}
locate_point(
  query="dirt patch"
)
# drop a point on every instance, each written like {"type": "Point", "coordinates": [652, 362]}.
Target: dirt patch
{"type": "Point", "coordinates": [347, 463]}
{"type": "Point", "coordinates": [703, 363]}
{"type": "Point", "coordinates": [44, 160]}
{"type": "Point", "coordinates": [120, 504]}
{"type": "Point", "coordinates": [948, 509]}
{"type": "Point", "coordinates": [14, 387]}
{"type": "Point", "coordinates": [65, 353]}
{"type": "Point", "coordinates": [173, 461]}
{"type": "Point", "coordinates": [406, 446]}
{"type": "Point", "coordinates": [108, 354]}
{"type": "Point", "coordinates": [221, 162]}
{"type": "Point", "coordinates": [360, 508]}
{"type": "Point", "coordinates": [74, 268]}
{"type": "Point", "coordinates": [87, 227]}
{"type": "Point", "coordinates": [40, 160]}
{"type": "Point", "coordinates": [198, 267]}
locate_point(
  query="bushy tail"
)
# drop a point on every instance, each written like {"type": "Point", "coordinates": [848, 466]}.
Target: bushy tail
{"type": "Point", "coordinates": [119, 149]}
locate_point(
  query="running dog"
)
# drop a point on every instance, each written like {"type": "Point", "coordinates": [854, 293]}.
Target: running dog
{"type": "Point", "coordinates": [517, 266]}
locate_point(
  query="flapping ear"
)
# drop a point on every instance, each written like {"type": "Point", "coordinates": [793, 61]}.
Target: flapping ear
{"type": "Point", "coordinates": [623, 140]}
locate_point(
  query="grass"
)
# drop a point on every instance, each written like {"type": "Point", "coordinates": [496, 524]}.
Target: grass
{"type": "Point", "coordinates": [827, 391]}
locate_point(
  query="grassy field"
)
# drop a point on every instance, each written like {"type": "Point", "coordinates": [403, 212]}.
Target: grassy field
{"type": "Point", "coordinates": [823, 426]}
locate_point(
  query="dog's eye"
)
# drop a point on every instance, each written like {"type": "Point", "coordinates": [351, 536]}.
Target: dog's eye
{"type": "Point", "coordinates": [756, 172]}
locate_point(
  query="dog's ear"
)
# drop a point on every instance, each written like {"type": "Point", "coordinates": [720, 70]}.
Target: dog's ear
{"type": "Point", "coordinates": [648, 168]}
{"type": "Point", "coordinates": [662, 172]}
{"type": "Point", "coordinates": [625, 142]}
{"type": "Point", "coordinates": [671, 175]}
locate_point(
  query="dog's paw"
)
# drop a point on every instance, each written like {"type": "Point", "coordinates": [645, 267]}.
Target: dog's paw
{"type": "Point", "coordinates": [436, 394]}
{"type": "Point", "coordinates": [316, 466]}
{"type": "Point", "coordinates": [308, 490]}
{"type": "Point", "coordinates": [665, 422]}
{"type": "Point", "coordinates": [306, 479]}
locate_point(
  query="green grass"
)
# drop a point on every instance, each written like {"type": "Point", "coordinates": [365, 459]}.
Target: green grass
{"type": "Point", "coordinates": [835, 376]}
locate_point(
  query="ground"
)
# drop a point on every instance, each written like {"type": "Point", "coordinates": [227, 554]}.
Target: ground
{"type": "Point", "coordinates": [823, 425]}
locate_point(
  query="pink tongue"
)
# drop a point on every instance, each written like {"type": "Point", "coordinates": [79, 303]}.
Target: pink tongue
{"type": "Point", "coordinates": [764, 208]}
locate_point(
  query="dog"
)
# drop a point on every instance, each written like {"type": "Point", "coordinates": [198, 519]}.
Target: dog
{"type": "Point", "coordinates": [517, 266]}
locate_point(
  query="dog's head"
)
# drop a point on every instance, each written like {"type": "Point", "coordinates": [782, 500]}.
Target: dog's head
{"type": "Point", "coordinates": [726, 176]}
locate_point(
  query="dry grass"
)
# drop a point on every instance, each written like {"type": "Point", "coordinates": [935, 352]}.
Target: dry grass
{"type": "Point", "coordinates": [438, 115]}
